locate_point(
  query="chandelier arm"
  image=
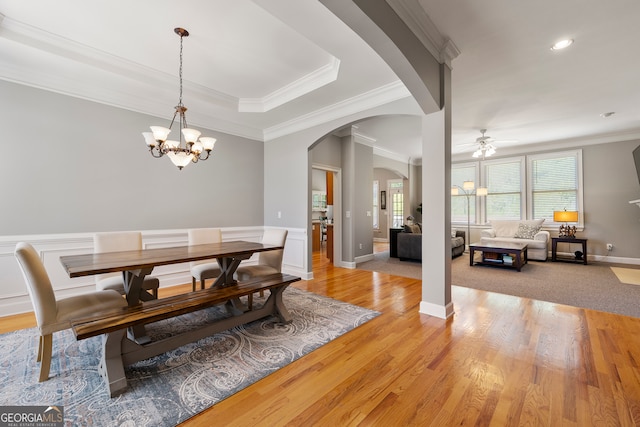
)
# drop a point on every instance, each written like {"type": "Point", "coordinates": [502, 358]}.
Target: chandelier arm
{"type": "Point", "coordinates": [156, 151]}
{"type": "Point", "coordinates": [174, 118]}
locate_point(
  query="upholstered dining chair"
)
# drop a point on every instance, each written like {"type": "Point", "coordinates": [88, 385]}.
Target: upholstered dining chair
{"type": "Point", "coordinates": [55, 315]}
{"type": "Point", "coordinates": [269, 262]}
{"type": "Point", "coordinates": [202, 270]}
{"type": "Point", "coordinates": [115, 242]}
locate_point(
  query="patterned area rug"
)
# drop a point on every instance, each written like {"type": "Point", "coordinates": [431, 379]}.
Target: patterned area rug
{"type": "Point", "coordinates": [172, 387]}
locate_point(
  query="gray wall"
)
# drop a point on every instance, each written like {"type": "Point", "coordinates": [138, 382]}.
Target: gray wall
{"type": "Point", "coordinates": [361, 215]}
{"type": "Point", "coordinates": [71, 165]}
{"type": "Point", "coordinates": [610, 182]}
{"type": "Point", "coordinates": [327, 152]}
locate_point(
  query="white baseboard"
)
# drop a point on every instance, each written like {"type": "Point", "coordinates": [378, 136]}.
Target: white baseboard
{"type": "Point", "coordinates": [441, 311]}
{"type": "Point", "coordinates": [364, 258]}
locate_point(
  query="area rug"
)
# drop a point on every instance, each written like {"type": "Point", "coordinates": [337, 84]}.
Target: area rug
{"type": "Point", "coordinates": [593, 286]}
{"type": "Point", "coordinates": [630, 276]}
{"type": "Point", "coordinates": [172, 387]}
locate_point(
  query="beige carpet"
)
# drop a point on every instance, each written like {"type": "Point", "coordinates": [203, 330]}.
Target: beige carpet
{"type": "Point", "coordinates": [593, 286]}
{"type": "Point", "coordinates": [629, 276]}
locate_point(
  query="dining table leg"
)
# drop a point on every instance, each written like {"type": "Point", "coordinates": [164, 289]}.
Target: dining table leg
{"type": "Point", "coordinates": [228, 267]}
{"type": "Point", "coordinates": [133, 280]}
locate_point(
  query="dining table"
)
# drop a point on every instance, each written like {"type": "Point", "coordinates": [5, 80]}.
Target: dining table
{"type": "Point", "coordinates": [137, 264]}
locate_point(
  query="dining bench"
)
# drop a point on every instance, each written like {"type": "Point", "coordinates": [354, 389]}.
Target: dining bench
{"type": "Point", "coordinates": [120, 350]}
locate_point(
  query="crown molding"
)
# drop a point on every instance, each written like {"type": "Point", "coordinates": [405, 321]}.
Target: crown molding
{"type": "Point", "coordinates": [374, 98]}
{"type": "Point", "coordinates": [421, 25]}
{"type": "Point", "coordinates": [390, 155]}
{"type": "Point", "coordinates": [312, 81]}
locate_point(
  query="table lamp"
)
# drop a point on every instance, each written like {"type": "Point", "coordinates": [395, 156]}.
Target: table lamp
{"type": "Point", "coordinates": [566, 216]}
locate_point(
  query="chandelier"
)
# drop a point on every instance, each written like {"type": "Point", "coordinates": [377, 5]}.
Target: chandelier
{"type": "Point", "coordinates": [194, 149]}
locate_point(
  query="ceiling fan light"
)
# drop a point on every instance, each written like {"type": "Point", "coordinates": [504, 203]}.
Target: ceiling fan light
{"type": "Point", "coordinates": [477, 154]}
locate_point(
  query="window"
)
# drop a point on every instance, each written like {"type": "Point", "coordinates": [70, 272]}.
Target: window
{"type": "Point", "coordinates": [504, 180]}
{"type": "Point", "coordinates": [376, 203]}
{"type": "Point", "coordinates": [555, 184]}
{"type": "Point", "coordinates": [397, 202]}
{"type": "Point", "coordinates": [523, 187]}
{"type": "Point", "coordinates": [460, 174]}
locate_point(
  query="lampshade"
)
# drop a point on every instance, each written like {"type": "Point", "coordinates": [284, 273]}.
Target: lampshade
{"type": "Point", "coordinates": [482, 191]}
{"type": "Point", "coordinates": [468, 185]}
{"type": "Point", "coordinates": [160, 133]}
{"type": "Point", "coordinates": [208, 142]}
{"type": "Point", "coordinates": [565, 216]}
{"type": "Point", "coordinates": [180, 159]}
{"type": "Point", "coordinates": [190, 135]}
{"type": "Point", "coordinates": [149, 139]}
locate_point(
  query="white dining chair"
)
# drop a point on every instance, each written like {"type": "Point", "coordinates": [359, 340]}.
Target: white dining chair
{"type": "Point", "coordinates": [269, 262]}
{"type": "Point", "coordinates": [115, 242]}
{"type": "Point", "coordinates": [202, 270]}
{"type": "Point", "coordinates": [55, 315]}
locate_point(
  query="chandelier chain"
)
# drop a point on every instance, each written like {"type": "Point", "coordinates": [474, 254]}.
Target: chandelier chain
{"type": "Point", "coordinates": [180, 71]}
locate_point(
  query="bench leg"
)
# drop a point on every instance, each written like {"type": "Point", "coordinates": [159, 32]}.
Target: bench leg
{"type": "Point", "coordinates": [280, 309]}
{"type": "Point", "coordinates": [111, 367]}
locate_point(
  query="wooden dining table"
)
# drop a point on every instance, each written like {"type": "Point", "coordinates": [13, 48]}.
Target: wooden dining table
{"type": "Point", "coordinates": [136, 265]}
{"type": "Point", "coordinates": [125, 337]}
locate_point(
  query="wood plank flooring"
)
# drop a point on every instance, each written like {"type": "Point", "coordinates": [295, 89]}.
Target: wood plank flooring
{"type": "Point", "coordinates": [499, 361]}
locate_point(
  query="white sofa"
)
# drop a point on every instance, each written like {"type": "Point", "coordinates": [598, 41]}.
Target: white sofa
{"type": "Point", "coordinates": [528, 231]}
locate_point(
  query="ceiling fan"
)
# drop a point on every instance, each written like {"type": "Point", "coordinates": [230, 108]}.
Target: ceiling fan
{"type": "Point", "coordinates": [485, 145]}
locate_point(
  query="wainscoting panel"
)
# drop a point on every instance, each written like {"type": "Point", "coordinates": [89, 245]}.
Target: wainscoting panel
{"type": "Point", "coordinates": [14, 297]}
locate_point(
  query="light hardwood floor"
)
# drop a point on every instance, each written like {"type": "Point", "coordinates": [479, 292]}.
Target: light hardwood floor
{"type": "Point", "coordinates": [499, 361]}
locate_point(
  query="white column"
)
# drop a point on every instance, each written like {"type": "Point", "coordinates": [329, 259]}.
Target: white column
{"type": "Point", "coordinates": [436, 217]}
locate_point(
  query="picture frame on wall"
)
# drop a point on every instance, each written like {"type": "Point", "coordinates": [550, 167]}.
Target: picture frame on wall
{"type": "Point", "coordinates": [383, 200]}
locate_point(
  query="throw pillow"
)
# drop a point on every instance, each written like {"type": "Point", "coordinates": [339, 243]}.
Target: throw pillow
{"type": "Point", "coordinates": [415, 228]}
{"type": "Point", "coordinates": [527, 231]}
{"type": "Point", "coordinates": [453, 232]}
{"type": "Point", "coordinates": [407, 229]}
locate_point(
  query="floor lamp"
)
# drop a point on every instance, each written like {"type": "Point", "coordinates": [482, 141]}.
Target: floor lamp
{"type": "Point", "coordinates": [468, 190]}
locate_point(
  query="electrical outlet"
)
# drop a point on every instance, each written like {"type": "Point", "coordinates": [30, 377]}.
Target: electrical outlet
{"type": "Point", "coordinates": [609, 247]}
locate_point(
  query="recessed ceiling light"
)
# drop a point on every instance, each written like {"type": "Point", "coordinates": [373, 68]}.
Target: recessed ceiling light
{"type": "Point", "coordinates": [562, 44]}
{"type": "Point", "coordinates": [609, 114]}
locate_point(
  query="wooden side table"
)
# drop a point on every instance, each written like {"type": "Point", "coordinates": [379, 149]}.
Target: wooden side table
{"type": "Point", "coordinates": [554, 247]}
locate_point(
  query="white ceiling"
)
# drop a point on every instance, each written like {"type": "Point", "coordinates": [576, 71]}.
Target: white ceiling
{"type": "Point", "coordinates": [264, 68]}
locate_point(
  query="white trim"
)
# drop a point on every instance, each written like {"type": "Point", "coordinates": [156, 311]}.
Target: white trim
{"type": "Point", "coordinates": [14, 298]}
{"type": "Point", "coordinates": [436, 310]}
{"type": "Point", "coordinates": [364, 258]}
{"type": "Point", "coordinates": [306, 84]}
{"type": "Point", "coordinates": [380, 96]}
